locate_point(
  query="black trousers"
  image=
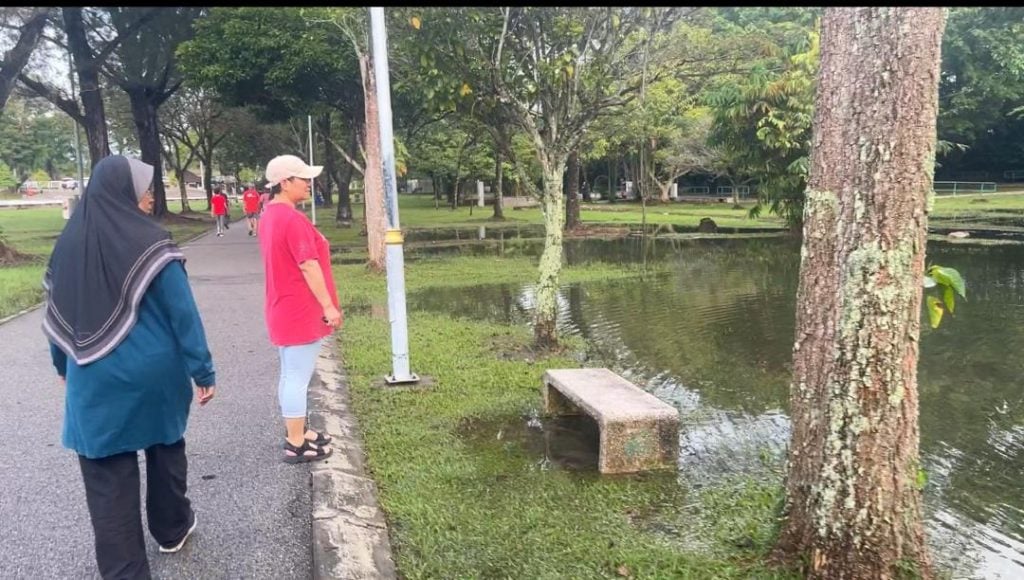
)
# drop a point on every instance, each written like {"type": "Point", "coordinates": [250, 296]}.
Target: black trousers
{"type": "Point", "coordinates": [112, 492]}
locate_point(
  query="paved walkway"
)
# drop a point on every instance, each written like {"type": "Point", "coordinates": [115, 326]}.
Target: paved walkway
{"type": "Point", "coordinates": [253, 510]}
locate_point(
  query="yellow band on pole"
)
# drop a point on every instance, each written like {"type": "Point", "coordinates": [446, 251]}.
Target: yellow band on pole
{"type": "Point", "coordinates": [393, 237]}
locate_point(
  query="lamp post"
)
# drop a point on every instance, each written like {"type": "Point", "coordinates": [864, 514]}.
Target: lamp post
{"type": "Point", "coordinates": [394, 259]}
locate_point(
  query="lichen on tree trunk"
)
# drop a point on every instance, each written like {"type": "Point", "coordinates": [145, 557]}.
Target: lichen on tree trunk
{"type": "Point", "coordinates": [546, 315]}
{"type": "Point", "coordinates": [373, 180]}
{"type": "Point", "coordinates": [853, 504]}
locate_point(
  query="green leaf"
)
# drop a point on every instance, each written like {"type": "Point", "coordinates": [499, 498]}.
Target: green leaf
{"type": "Point", "coordinates": [929, 282]}
{"type": "Point", "coordinates": [949, 277]}
{"type": "Point", "coordinates": [949, 298]}
{"type": "Point", "coordinates": [922, 478]}
{"type": "Point", "coordinates": [934, 310]}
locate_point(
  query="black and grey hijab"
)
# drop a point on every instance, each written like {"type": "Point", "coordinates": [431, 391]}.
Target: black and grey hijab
{"type": "Point", "coordinates": [104, 261]}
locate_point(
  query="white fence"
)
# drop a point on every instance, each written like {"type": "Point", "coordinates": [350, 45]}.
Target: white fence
{"type": "Point", "coordinates": [744, 190]}
{"type": "Point", "coordinates": [960, 187]}
{"type": "Point", "coordinates": [1014, 175]}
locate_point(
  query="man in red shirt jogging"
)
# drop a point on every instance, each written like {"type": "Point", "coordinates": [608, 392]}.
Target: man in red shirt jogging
{"type": "Point", "coordinates": [219, 210]}
{"type": "Point", "coordinates": [251, 207]}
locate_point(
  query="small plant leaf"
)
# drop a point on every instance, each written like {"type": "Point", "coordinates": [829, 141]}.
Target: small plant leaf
{"type": "Point", "coordinates": [949, 277]}
{"type": "Point", "coordinates": [949, 298]}
{"type": "Point", "coordinates": [415, 22]}
{"type": "Point", "coordinates": [929, 282]}
{"type": "Point", "coordinates": [935, 310]}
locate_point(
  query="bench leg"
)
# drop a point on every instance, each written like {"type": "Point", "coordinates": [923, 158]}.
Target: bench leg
{"type": "Point", "coordinates": [627, 447]}
{"type": "Point", "coordinates": [555, 403]}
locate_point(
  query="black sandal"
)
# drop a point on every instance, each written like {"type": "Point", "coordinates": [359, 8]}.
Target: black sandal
{"type": "Point", "coordinates": [321, 439]}
{"type": "Point", "coordinates": [300, 452]}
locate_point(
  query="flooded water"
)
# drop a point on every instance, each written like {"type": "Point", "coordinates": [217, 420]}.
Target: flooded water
{"type": "Point", "coordinates": [713, 336]}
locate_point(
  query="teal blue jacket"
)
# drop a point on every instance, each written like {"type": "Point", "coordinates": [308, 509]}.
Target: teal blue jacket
{"type": "Point", "coordinates": [139, 394]}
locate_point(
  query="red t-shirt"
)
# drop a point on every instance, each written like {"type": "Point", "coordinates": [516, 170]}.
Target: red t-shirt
{"type": "Point", "coordinates": [251, 201]}
{"type": "Point", "coordinates": [220, 204]}
{"type": "Point", "coordinates": [287, 238]}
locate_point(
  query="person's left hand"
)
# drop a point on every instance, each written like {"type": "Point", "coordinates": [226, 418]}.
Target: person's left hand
{"type": "Point", "coordinates": [205, 394]}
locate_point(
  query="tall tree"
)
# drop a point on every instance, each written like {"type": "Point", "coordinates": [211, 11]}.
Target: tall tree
{"type": "Point", "coordinates": [32, 138]}
{"type": "Point", "coordinates": [285, 63]}
{"type": "Point", "coordinates": [762, 121]}
{"type": "Point", "coordinates": [550, 72]}
{"type": "Point", "coordinates": [982, 83]}
{"type": "Point", "coordinates": [84, 28]}
{"type": "Point", "coordinates": [853, 501]}
{"type": "Point", "coordinates": [146, 69]}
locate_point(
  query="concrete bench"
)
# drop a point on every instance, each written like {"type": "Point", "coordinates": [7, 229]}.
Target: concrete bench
{"type": "Point", "coordinates": [638, 430]}
{"type": "Point", "coordinates": [516, 202]}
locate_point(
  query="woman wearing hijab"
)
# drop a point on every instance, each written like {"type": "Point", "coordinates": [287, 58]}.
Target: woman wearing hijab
{"type": "Point", "coordinates": [301, 302]}
{"type": "Point", "coordinates": [126, 339]}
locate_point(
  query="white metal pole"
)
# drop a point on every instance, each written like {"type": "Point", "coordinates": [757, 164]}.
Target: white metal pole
{"type": "Point", "coordinates": [312, 182]}
{"type": "Point", "coordinates": [395, 257]}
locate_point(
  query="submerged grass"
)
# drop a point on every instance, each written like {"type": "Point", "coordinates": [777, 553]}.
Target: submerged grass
{"type": "Point", "coordinates": [458, 508]}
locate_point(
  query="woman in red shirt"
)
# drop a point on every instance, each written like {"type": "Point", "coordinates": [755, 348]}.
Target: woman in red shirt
{"type": "Point", "coordinates": [301, 301]}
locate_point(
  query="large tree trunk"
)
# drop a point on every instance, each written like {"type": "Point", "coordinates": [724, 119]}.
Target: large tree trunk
{"type": "Point", "coordinates": [373, 182]}
{"type": "Point", "coordinates": [853, 505]}
{"type": "Point", "coordinates": [88, 86]}
{"type": "Point", "coordinates": [343, 217]}
{"type": "Point", "coordinates": [329, 159]}
{"type": "Point", "coordinates": [499, 211]}
{"type": "Point", "coordinates": [545, 331]}
{"type": "Point", "coordinates": [572, 204]}
{"type": "Point", "coordinates": [206, 155]}
{"type": "Point", "coordinates": [183, 190]}
{"type": "Point", "coordinates": [148, 131]}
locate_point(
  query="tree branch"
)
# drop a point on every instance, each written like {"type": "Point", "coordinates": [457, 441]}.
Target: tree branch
{"type": "Point", "coordinates": [111, 46]}
{"type": "Point", "coordinates": [16, 58]}
{"type": "Point", "coordinates": [355, 164]}
{"type": "Point", "coordinates": [69, 106]}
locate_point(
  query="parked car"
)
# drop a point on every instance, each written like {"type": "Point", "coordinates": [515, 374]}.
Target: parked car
{"type": "Point", "coordinates": [69, 184]}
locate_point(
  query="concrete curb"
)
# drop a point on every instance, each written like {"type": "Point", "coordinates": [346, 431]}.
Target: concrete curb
{"type": "Point", "coordinates": [23, 312]}
{"type": "Point", "coordinates": [350, 534]}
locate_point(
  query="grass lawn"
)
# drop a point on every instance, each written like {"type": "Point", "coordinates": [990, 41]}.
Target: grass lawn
{"type": "Point", "coordinates": [33, 231]}
{"type": "Point", "coordinates": [460, 507]}
{"type": "Point", "coordinates": [1000, 211]}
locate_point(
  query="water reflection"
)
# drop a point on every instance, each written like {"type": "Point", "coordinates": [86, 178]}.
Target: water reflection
{"type": "Point", "coordinates": [714, 336]}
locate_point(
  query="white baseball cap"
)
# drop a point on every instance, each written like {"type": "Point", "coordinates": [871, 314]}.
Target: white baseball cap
{"type": "Point", "coordinates": [284, 166]}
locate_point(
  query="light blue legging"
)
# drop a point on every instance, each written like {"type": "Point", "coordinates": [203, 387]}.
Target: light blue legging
{"type": "Point", "coordinates": [297, 364]}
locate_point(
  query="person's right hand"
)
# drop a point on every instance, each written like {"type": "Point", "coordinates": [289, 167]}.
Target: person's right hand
{"type": "Point", "coordinates": [332, 316]}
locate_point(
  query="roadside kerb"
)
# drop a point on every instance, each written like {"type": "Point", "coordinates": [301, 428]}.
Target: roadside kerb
{"type": "Point", "coordinates": [350, 534]}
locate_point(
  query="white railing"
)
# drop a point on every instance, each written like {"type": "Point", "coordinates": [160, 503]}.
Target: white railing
{"type": "Point", "coordinates": [960, 187]}
{"type": "Point", "coordinates": [744, 190]}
